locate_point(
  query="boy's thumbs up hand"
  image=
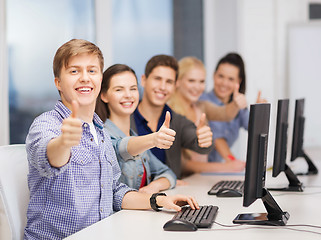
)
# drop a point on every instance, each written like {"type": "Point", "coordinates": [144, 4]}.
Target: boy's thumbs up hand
{"type": "Point", "coordinates": [165, 136]}
{"type": "Point", "coordinates": [71, 127]}
{"type": "Point", "coordinates": [239, 98]}
{"type": "Point", "coordinates": [204, 133]}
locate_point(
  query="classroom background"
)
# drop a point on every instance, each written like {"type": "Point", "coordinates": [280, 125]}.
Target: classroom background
{"type": "Point", "coordinates": [279, 40]}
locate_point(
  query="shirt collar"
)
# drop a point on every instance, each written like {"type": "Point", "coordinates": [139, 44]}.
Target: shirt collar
{"type": "Point", "coordinates": [161, 120]}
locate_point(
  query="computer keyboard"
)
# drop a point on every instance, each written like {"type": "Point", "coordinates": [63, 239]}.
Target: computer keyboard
{"type": "Point", "coordinates": [230, 184]}
{"type": "Point", "coordinates": [202, 217]}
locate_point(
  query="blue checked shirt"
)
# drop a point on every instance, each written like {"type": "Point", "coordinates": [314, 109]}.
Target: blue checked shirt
{"type": "Point", "coordinates": [85, 190]}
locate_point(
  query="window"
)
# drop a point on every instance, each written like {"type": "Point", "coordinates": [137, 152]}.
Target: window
{"type": "Point", "coordinates": [35, 29]}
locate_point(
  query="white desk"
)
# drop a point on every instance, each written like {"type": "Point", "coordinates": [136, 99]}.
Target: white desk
{"type": "Point", "coordinates": [304, 208]}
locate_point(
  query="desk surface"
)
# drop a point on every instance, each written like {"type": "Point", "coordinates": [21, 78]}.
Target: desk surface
{"type": "Point", "coordinates": [304, 208]}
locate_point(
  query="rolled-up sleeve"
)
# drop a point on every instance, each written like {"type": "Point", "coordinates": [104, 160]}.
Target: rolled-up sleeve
{"type": "Point", "coordinates": [40, 134]}
{"type": "Point", "coordinates": [119, 189]}
{"type": "Point", "coordinates": [121, 148]}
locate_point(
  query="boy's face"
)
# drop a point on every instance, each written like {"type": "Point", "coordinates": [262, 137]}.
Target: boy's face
{"type": "Point", "coordinates": [159, 86]}
{"type": "Point", "coordinates": [80, 80]}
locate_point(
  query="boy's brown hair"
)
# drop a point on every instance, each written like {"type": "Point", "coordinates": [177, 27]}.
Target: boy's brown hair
{"type": "Point", "coordinates": [161, 60]}
{"type": "Point", "coordinates": [71, 49]}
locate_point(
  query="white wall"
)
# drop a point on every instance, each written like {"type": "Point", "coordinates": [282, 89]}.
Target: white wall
{"type": "Point", "coordinates": [261, 39]}
{"type": "Point", "coordinates": [304, 61]}
{"type": "Point", "coordinates": [103, 29]}
{"type": "Point", "coordinates": [4, 102]}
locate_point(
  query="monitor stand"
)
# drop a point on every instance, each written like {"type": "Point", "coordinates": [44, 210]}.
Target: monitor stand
{"type": "Point", "coordinates": [274, 216]}
{"type": "Point", "coordinates": [312, 169]}
{"type": "Point", "coordinates": [294, 183]}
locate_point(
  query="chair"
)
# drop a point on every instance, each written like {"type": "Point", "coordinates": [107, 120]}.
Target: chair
{"type": "Point", "coordinates": [14, 192]}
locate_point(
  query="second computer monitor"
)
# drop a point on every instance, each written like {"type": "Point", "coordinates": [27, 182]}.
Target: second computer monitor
{"type": "Point", "coordinates": [281, 135]}
{"type": "Point", "coordinates": [280, 149]}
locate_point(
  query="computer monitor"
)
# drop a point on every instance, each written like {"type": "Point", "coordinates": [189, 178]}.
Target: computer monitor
{"type": "Point", "coordinates": [297, 139]}
{"type": "Point", "coordinates": [254, 183]}
{"type": "Point", "coordinates": [280, 149]}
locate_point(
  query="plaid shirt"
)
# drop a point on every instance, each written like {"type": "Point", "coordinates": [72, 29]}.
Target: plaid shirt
{"type": "Point", "coordinates": [85, 190]}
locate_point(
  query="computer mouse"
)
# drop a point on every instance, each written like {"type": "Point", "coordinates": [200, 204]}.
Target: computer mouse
{"type": "Point", "coordinates": [179, 225]}
{"type": "Point", "coordinates": [227, 192]}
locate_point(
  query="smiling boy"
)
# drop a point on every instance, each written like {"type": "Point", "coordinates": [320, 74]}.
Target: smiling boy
{"type": "Point", "coordinates": [73, 171]}
{"type": "Point", "coordinates": [159, 84]}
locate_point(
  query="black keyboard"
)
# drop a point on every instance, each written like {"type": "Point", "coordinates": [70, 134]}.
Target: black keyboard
{"type": "Point", "coordinates": [230, 184]}
{"type": "Point", "coordinates": [202, 217]}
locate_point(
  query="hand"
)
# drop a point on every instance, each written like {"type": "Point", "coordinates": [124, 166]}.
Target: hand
{"type": "Point", "coordinates": [259, 99]}
{"type": "Point", "coordinates": [204, 133]}
{"type": "Point", "coordinates": [175, 202]}
{"type": "Point", "coordinates": [235, 165]}
{"type": "Point", "coordinates": [165, 136]}
{"type": "Point", "coordinates": [239, 98]}
{"type": "Point", "coordinates": [71, 128]}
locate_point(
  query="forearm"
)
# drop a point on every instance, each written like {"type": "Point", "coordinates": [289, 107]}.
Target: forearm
{"type": "Point", "coordinates": [139, 144]}
{"type": "Point", "coordinates": [136, 200]}
{"type": "Point", "coordinates": [222, 148]}
{"type": "Point", "coordinates": [58, 154]}
{"type": "Point", "coordinates": [231, 111]}
{"type": "Point", "coordinates": [140, 201]}
{"type": "Point", "coordinates": [214, 112]}
{"type": "Point", "coordinates": [160, 184]}
{"type": "Point", "coordinates": [199, 167]}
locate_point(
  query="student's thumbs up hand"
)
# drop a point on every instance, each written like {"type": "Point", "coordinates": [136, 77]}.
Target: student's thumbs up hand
{"type": "Point", "coordinates": [204, 133]}
{"type": "Point", "coordinates": [71, 129]}
{"type": "Point", "coordinates": [165, 136]}
{"type": "Point", "coordinates": [239, 98]}
{"type": "Point", "coordinates": [259, 99]}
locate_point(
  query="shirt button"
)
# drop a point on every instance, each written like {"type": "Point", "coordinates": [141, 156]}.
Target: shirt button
{"type": "Point", "coordinates": [102, 185]}
{"type": "Point", "coordinates": [101, 209]}
{"type": "Point", "coordinates": [85, 125]}
{"type": "Point", "coordinates": [82, 161]}
{"type": "Point", "coordinates": [102, 141]}
{"type": "Point", "coordinates": [91, 139]}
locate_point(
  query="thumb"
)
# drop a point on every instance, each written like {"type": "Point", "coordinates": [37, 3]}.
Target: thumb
{"type": "Point", "coordinates": [202, 122]}
{"type": "Point", "coordinates": [74, 108]}
{"type": "Point", "coordinates": [167, 119]}
{"type": "Point", "coordinates": [258, 99]}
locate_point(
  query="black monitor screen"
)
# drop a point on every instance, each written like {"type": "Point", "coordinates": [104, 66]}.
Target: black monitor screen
{"type": "Point", "coordinates": [256, 152]}
{"type": "Point", "coordinates": [281, 136]}
{"type": "Point", "coordinates": [297, 138]}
